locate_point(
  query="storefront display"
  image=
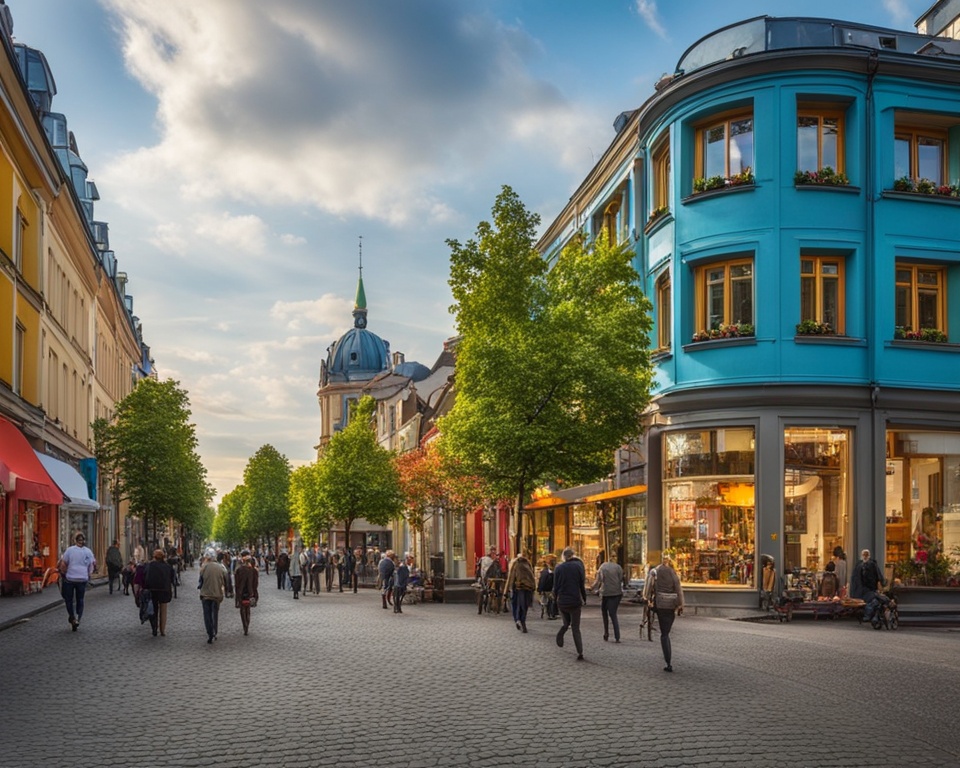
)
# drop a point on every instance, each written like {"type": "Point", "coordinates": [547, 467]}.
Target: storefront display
{"type": "Point", "coordinates": [710, 505]}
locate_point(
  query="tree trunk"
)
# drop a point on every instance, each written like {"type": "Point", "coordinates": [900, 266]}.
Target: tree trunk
{"type": "Point", "coordinates": [519, 532]}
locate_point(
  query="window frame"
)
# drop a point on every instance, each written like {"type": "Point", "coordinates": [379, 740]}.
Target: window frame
{"type": "Point", "coordinates": [913, 133]}
{"type": "Point", "coordinates": [660, 161]}
{"type": "Point", "coordinates": [808, 110]}
{"type": "Point", "coordinates": [914, 287]}
{"type": "Point", "coordinates": [701, 285]}
{"type": "Point", "coordinates": [725, 119]}
{"type": "Point", "coordinates": [818, 277]}
{"type": "Point", "coordinates": [663, 292]}
{"type": "Point", "coordinates": [613, 217]}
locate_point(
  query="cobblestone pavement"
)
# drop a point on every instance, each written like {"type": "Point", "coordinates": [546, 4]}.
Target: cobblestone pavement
{"type": "Point", "coordinates": [335, 680]}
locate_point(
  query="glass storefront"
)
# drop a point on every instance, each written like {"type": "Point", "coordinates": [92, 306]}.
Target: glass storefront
{"type": "Point", "coordinates": [922, 505]}
{"type": "Point", "coordinates": [586, 537]}
{"type": "Point", "coordinates": [708, 486]}
{"type": "Point", "coordinates": [634, 556]}
{"type": "Point", "coordinates": [816, 498]}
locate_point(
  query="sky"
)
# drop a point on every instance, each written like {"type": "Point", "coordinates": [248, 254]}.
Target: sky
{"type": "Point", "coordinates": [242, 149]}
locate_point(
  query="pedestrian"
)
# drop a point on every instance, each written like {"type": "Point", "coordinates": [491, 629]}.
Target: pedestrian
{"type": "Point", "coordinates": [128, 571]}
{"type": "Point", "coordinates": [226, 561]}
{"type": "Point", "coordinates": [283, 567]}
{"type": "Point", "coordinates": [385, 569]}
{"type": "Point", "coordinates": [139, 552]}
{"type": "Point", "coordinates": [768, 583]}
{"type": "Point", "coordinates": [609, 585]}
{"type": "Point", "coordinates": [158, 578]}
{"type": "Point", "coordinates": [76, 566]}
{"type": "Point", "coordinates": [569, 588]}
{"type": "Point", "coordinates": [114, 562]}
{"type": "Point", "coordinates": [668, 602]}
{"type": "Point", "coordinates": [401, 577]}
{"type": "Point", "coordinates": [865, 582]}
{"type": "Point", "coordinates": [246, 588]}
{"type": "Point", "coordinates": [316, 568]}
{"type": "Point", "coordinates": [330, 567]}
{"type": "Point", "coordinates": [349, 565]}
{"type": "Point", "coordinates": [357, 568]}
{"type": "Point", "coordinates": [545, 590]}
{"type": "Point", "coordinates": [840, 566]}
{"type": "Point", "coordinates": [520, 579]}
{"type": "Point", "coordinates": [213, 580]}
{"type": "Point", "coordinates": [829, 583]}
{"type": "Point", "coordinates": [296, 574]}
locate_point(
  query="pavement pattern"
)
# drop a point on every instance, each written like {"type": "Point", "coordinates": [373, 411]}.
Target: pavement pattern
{"type": "Point", "coordinates": [335, 680]}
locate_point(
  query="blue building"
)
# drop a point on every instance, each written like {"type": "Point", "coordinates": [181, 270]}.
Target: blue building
{"type": "Point", "coordinates": [792, 193]}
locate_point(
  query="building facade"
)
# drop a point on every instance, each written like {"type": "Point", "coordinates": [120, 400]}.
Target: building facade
{"type": "Point", "coordinates": [70, 346]}
{"type": "Point", "coordinates": [792, 194]}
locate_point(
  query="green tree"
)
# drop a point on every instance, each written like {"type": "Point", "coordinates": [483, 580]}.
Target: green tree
{"type": "Point", "coordinates": [266, 508]}
{"type": "Point", "coordinates": [354, 478]}
{"type": "Point", "coordinates": [226, 524]}
{"type": "Point", "coordinates": [149, 453]}
{"type": "Point", "coordinates": [553, 370]}
{"type": "Point", "coordinates": [305, 515]}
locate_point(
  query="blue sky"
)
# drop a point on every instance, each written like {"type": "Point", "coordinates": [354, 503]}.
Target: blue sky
{"type": "Point", "coordinates": [241, 148]}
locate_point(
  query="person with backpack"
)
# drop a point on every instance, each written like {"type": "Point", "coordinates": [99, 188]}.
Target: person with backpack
{"type": "Point", "coordinates": [283, 567]}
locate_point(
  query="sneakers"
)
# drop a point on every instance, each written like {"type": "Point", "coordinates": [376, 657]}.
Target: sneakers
{"type": "Point", "coordinates": [579, 657]}
{"type": "Point", "coordinates": [560, 638]}
{"type": "Point", "coordinates": [668, 668]}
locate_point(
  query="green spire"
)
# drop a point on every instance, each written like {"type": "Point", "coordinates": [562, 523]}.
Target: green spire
{"type": "Point", "coordinates": [361, 302]}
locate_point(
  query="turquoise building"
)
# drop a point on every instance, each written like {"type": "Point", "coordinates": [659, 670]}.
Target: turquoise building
{"type": "Point", "coordinates": [792, 193]}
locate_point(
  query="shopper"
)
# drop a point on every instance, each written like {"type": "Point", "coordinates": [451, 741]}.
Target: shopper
{"type": "Point", "coordinates": [609, 585]}
{"type": "Point", "coordinates": [296, 572]}
{"type": "Point", "coordinates": [76, 566]}
{"type": "Point", "coordinates": [545, 590]}
{"type": "Point", "coordinates": [246, 588]}
{"type": "Point", "coordinates": [158, 579]}
{"type": "Point", "coordinates": [569, 589]}
{"type": "Point", "coordinates": [668, 601]}
{"type": "Point", "coordinates": [520, 579]}
{"type": "Point", "coordinates": [213, 580]}
{"type": "Point", "coordinates": [114, 562]}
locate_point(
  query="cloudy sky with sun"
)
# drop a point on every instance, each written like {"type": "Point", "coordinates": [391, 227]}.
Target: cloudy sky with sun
{"type": "Point", "coordinates": [242, 148]}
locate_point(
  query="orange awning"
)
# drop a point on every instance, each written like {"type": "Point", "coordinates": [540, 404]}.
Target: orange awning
{"type": "Point", "coordinates": [549, 501]}
{"type": "Point", "coordinates": [619, 493]}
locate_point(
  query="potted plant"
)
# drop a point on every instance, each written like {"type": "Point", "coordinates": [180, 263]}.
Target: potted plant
{"type": "Point", "coordinates": [926, 187]}
{"type": "Point", "coordinates": [656, 213]}
{"type": "Point", "coordinates": [932, 335]}
{"type": "Point", "coordinates": [706, 184]}
{"type": "Point", "coordinates": [826, 176]}
{"type": "Point", "coordinates": [813, 328]}
{"type": "Point", "coordinates": [730, 331]}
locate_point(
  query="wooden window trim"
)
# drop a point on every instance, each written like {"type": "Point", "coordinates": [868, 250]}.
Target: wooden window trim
{"type": "Point", "coordinates": [812, 110]}
{"type": "Point", "coordinates": [664, 311]}
{"type": "Point", "coordinates": [700, 286]}
{"type": "Point", "coordinates": [722, 118]}
{"type": "Point", "coordinates": [912, 133]}
{"type": "Point", "coordinates": [914, 287]}
{"type": "Point", "coordinates": [661, 175]}
{"type": "Point", "coordinates": [818, 262]}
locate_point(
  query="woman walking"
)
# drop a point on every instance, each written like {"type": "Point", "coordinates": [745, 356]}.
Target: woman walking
{"type": "Point", "coordinates": [521, 579]}
{"type": "Point", "coordinates": [609, 585]}
{"type": "Point", "coordinates": [158, 580]}
{"type": "Point", "coordinates": [245, 588]}
{"type": "Point", "coordinates": [668, 601]}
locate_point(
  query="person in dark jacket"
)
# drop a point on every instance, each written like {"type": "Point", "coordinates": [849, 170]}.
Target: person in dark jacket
{"type": "Point", "coordinates": [865, 582]}
{"type": "Point", "coordinates": [667, 598]}
{"type": "Point", "coordinates": [246, 588]}
{"type": "Point", "coordinates": [385, 569]}
{"type": "Point", "coordinates": [521, 581]}
{"type": "Point", "coordinates": [158, 578]}
{"type": "Point", "coordinates": [545, 590]}
{"type": "Point", "coordinates": [401, 577]}
{"type": "Point", "coordinates": [570, 592]}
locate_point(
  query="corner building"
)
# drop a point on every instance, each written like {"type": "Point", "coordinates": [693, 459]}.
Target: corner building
{"type": "Point", "coordinates": [788, 196]}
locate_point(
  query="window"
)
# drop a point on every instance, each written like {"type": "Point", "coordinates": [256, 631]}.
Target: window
{"type": "Point", "coordinates": [19, 234]}
{"type": "Point", "coordinates": [661, 179]}
{"type": "Point", "coordinates": [725, 146]}
{"type": "Point", "coordinates": [18, 352]}
{"type": "Point", "coordinates": [819, 139]}
{"type": "Point", "coordinates": [664, 312]}
{"type": "Point", "coordinates": [725, 294]}
{"type": "Point", "coordinates": [920, 152]}
{"type": "Point", "coordinates": [920, 297]}
{"type": "Point", "coordinates": [821, 291]}
{"type": "Point", "coordinates": [614, 218]}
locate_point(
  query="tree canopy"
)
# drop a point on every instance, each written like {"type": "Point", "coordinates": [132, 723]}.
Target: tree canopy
{"type": "Point", "coordinates": [432, 481]}
{"type": "Point", "coordinates": [148, 452]}
{"type": "Point", "coordinates": [266, 505]}
{"type": "Point", "coordinates": [354, 478]}
{"type": "Point", "coordinates": [552, 370]}
{"type": "Point", "coordinates": [226, 524]}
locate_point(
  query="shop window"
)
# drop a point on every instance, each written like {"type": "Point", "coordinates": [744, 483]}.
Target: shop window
{"type": "Point", "coordinates": [822, 291]}
{"type": "Point", "coordinates": [725, 146]}
{"type": "Point", "coordinates": [614, 216]}
{"type": "Point", "coordinates": [819, 139]}
{"type": "Point", "coordinates": [725, 294]}
{"type": "Point", "coordinates": [922, 506]}
{"type": "Point", "coordinates": [709, 500]}
{"type": "Point", "coordinates": [920, 147]}
{"type": "Point", "coordinates": [664, 312]}
{"type": "Point", "coordinates": [920, 298]}
{"type": "Point", "coordinates": [817, 513]}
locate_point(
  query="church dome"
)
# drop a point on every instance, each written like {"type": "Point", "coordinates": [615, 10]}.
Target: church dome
{"type": "Point", "coordinates": [359, 354]}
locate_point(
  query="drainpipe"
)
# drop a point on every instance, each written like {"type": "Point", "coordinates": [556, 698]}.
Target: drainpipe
{"type": "Point", "coordinates": [873, 334]}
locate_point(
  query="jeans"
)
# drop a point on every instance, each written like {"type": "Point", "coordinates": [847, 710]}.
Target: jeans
{"type": "Point", "coordinates": [211, 613]}
{"type": "Point", "coordinates": [571, 620]}
{"type": "Point", "coordinates": [114, 574]}
{"type": "Point", "coordinates": [521, 604]}
{"type": "Point", "coordinates": [665, 618]}
{"type": "Point", "coordinates": [71, 590]}
{"type": "Point", "coordinates": [608, 610]}
{"type": "Point", "coordinates": [281, 578]}
{"type": "Point", "coordinates": [398, 593]}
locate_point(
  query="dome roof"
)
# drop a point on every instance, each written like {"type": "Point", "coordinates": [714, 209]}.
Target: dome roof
{"type": "Point", "coordinates": [359, 354]}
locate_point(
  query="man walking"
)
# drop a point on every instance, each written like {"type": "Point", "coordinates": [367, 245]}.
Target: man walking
{"type": "Point", "coordinates": [401, 577]}
{"type": "Point", "coordinates": [569, 587]}
{"type": "Point", "coordinates": [385, 569]}
{"type": "Point", "coordinates": [283, 567]}
{"type": "Point", "coordinates": [213, 579]}
{"type": "Point", "coordinates": [114, 564]}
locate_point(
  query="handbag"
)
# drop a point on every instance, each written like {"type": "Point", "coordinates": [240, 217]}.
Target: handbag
{"type": "Point", "coordinates": [666, 601]}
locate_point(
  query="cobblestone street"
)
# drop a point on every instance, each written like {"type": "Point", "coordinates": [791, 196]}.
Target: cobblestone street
{"type": "Point", "coordinates": [335, 680]}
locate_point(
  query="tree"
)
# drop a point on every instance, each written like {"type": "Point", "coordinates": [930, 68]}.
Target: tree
{"type": "Point", "coordinates": [226, 525]}
{"type": "Point", "coordinates": [149, 453]}
{"type": "Point", "coordinates": [552, 371]}
{"type": "Point", "coordinates": [354, 478]}
{"type": "Point", "coordinates": [266, 508]}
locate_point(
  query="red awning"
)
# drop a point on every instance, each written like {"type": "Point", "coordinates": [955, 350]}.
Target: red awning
{"type": "Point", "coordinates": [21, 471]}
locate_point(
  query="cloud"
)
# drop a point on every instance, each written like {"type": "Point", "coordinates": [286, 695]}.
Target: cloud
{"type": "Point", "coordinates": [328, 312]}
{"type": "Point", "coordinates": [399, 94]}
{"type": "Point", "coordinates": [648, 12]}
{"type": "Point", "coordinates": [245, 233]}
{"type": "Point", "coordinates": [292, 240]}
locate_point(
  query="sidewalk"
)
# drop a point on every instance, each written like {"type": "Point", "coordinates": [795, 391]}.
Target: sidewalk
{"type": "Point", "coordinates": [15, 609]}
